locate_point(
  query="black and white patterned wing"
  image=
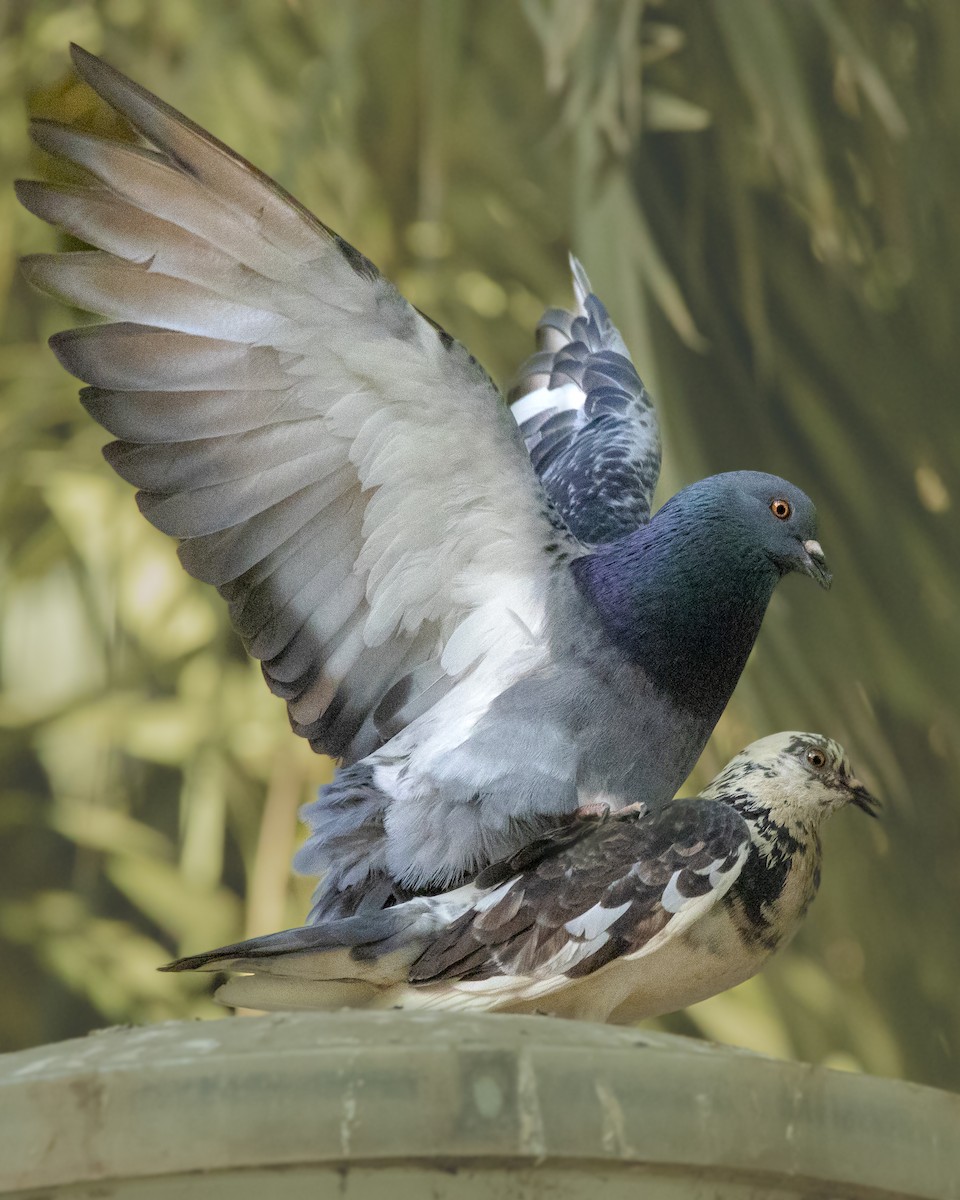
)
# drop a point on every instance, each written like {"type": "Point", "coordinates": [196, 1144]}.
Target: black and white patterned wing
{"type": "Point", "coordinates": [337, 466]}
{"type": "Point", "coordinates": [587, 420]}
{"type": "Point", "coordinates": [624, 887]}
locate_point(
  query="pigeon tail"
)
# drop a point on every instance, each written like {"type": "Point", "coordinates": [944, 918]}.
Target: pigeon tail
{"type": "Point", "coordinates": [356, 961]}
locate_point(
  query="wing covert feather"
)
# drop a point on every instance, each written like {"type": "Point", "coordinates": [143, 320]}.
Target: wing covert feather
{"type": "Point", "coordinates": [587, 420]}
{"type": "Point", "coordinates": [601, 889]}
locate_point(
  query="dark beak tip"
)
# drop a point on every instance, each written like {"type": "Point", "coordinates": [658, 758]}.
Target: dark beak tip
{"type": "Point", "coordinates": [867, 803]}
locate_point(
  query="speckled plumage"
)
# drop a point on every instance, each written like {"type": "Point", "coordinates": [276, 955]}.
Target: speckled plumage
{"type": "Point", "coordinates": [617, 916]}
{"type": "Point", "coordinates": [349, 479]}
{"type": "Point", "coordinates": [588, 422]}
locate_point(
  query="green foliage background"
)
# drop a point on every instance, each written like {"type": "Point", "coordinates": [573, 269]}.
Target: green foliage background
{"type": "Point", "coordinates": [764, 193]}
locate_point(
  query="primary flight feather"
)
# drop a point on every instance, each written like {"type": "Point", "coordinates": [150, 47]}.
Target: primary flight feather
{"type": "Point", "coordinates": [484, 648]}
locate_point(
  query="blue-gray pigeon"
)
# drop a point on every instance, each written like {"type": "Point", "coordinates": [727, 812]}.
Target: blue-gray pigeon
{"type": "Point", "coordinates": [616, 917]}
{"type": "Point", "coordinates": [484, 650]}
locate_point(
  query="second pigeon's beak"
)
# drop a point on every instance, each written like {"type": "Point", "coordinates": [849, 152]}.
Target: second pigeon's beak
{"type": "Point", "coordinates": [863, 799]}
{"type": "Point", "coordinates": [813, 563]}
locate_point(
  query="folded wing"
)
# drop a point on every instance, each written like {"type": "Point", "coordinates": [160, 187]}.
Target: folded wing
{"type": "Point", "coordinates": [336, 465]}
{"type": "Point", "coordinates": [587, 420]}
{"type": "Point", "coordinates": [622, 888]}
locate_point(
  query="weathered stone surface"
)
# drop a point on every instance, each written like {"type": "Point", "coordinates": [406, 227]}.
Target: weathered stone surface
{"type": "Point", "coordinates": [407, 1104]}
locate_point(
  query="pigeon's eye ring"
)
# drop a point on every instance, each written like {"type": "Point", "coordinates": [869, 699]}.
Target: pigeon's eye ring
{"type": "Point", "coordinates": [817, 759]}
{"type": "Point", "coordinates": [781, 509]}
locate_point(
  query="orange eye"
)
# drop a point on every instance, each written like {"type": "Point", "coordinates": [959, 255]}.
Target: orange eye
{"type": "Point", "coordinates": [781, 509]}
{"type": "Point", "coordinates": [816, 758]}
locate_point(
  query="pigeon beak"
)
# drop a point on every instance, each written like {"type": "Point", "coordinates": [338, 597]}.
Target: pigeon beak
{"type": "Point", "coordinates": [862, 798]}
{"type": "Point", "coordinates": [813, 563]}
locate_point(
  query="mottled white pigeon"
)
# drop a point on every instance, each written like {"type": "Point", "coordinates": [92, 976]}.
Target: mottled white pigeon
{"type": "Point", "coordinates": [611, 917]}
{"type": "Point", "coordinates": [483, 651]}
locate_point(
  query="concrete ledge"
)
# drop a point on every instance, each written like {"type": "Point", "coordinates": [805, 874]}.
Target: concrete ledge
{"type": "Point", "coordinates": [486, 1106]}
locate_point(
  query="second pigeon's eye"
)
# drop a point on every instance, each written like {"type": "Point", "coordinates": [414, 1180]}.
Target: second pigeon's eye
{"type": "Point", "coordinates": [781, 508]}
{"type": "Point", "coordinates": [816, 759]}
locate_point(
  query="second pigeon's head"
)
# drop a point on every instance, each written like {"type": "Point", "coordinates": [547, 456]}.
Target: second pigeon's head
{"type": "Point", "coordinates": [800, 778]}
{"type": "Point", "coordinates": [769, 515]}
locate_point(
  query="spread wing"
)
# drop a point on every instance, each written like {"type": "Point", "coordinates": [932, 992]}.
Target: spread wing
{"type": "Point", "coordinates": [588, 421]}
{"type": "Point", "coordinates": [335, 464]}
{"type": "Point", "coordinates": [625, 886]}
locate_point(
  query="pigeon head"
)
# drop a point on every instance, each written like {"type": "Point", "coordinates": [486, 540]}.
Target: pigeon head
{"type": "Point", "coordinates": [684, 596]}
{"type": "Point", "coordinates": [799, 778]}
{"type": "Point", "coordinates": [758, 516]}
{"type": "Point", "coordinates": [780, 517]}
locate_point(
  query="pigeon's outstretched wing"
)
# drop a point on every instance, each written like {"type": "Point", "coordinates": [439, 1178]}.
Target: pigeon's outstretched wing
{"type": "Point", "coordinates": [588, 421]}
{"type": "Point", "coordinates": [336, 465]}
{"type": "Point", "coordinates": [625, 886]}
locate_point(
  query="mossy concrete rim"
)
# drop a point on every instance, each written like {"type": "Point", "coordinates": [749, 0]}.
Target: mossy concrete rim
{"type": "Point", "coordinates": [366, 1088]}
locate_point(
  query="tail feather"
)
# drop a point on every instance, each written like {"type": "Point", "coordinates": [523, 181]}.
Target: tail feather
{"type": "Point", "coordinates": [321, 945]}
{"type": "Point", "coordinates": [362, 961]}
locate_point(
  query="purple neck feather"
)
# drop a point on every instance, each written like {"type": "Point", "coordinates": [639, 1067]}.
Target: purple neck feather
{"type": "Point", "coordinates": [683, 598]}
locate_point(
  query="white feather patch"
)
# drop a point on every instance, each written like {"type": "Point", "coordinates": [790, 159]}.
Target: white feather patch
{"type": "Point", "coordinates": [493, 898]}
{"type": "Point", "coordinates": [594, 921]}
{"type": "Point", "coordinates": [560, 399]}
{"type": "Point", "coordinates": [671, 899]}
{"type": "Point", "coordinates": [717, 877]}
{"type": "Point", "coordinates": [570, 954]}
